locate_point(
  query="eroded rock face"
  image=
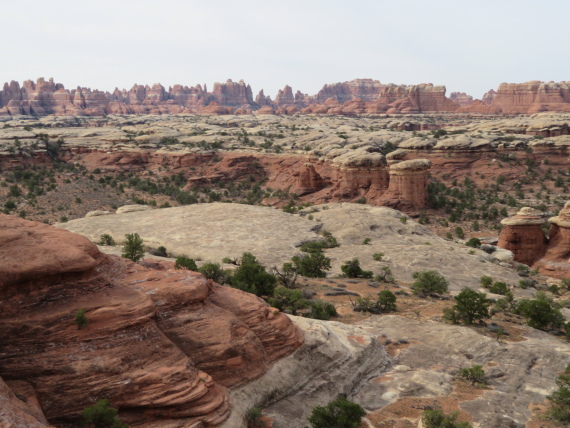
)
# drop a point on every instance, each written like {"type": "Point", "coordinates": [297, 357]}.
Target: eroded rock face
{"type": "Point", "coordinates": [556, 260]}
{"type": "Point", "coordinates": [161, 345]}
{"type": "Point", "coordinates": [408, 184]}
{"type": "Point", "coordinates": [522, 234]}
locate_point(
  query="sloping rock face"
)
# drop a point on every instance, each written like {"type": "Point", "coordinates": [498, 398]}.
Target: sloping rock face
{"type": "Point", "coordinates": [161, 345]}
{"type": "Point", "coordinates": [408, 185]}
{"type": "Point", "coordinates": [15, 413]}
{"type": "Point", "coordinates": [335, 359]}
{"type": "Point", "coordinates": [556, 260]}
{"type": "Point", "coordinates": [522, 234]}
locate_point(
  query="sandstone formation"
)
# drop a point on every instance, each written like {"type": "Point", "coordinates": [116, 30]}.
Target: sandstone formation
{"type": "Point", "coordinates": [523, 235]}
{"type": "Point", "coordinates": [461, 98]}
{"type": "Point", "coordinates": [161, 345]}
{"type": "Point", "coordinates": [408, 185]}
{"type": "Point", "coordinates": [359, 96]}
{"type": "Point", "coordinates": [556, 260]}
{"type": "Point", "coordinates": [524, 98]}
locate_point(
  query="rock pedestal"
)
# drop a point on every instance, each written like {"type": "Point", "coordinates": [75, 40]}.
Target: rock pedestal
{"type": "Point", "coordinates": [408, 185]}
{"type": "Point", "coordinates": [557, 256]}
{"type": "Point", "coordinates": [522, 234]}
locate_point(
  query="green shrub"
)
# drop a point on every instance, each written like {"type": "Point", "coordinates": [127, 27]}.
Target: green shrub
{"type": "Point", "coordinates": [366, 241]}
{"type": "Point", "coordinates": [385, 275]}
{"type": "Point", "coordinates": [160, 252]}
{"type": "Point", "coordinates": [253, 418]}
{"type": "Point", "coordinates": [540, 313]}
{"type": "Point", "coordinates": [475, 375]}
{"type": "Point", "coordinates": [213, 271]}
{"type": "Point", "coordinates": [486, 281]}
{"type": "Point", "coordinates": [404, 219]}
{"type": "Point", "coordinates": [321, 310]}
{"type": "Point", "coordinates": [377, 257]}
{"type": "Point", "coordinates": [471, 306]}
{"type": "Point", "coordinates": [474, 242]}
{"type": "Point", "coordinates": [499, 288]}
{"type": "Point", "coordinates": [387, 301]}
{"type": "Point", "coordinates": [287, 300]}
{"type": "Point", "coordinates": [106, 239]}
{"type": "Point", "coordinates": [352, 269]}
{"type": "Point", "coordinates": [429, 281]}
{"type": "Point", "coordinates": [101, 415]}
{"type": "Point", "coordinates": [437, 419]}
{"type": "Point", "coordinates": [133, 247]}
{"type": "Point", "coordinates": [252, 277]}
{"type": "Point", "coordinates": [81, 319]}
{"type": "Point", "coordinates": [459, 232]}
{"type": "Point", "coordinates": [560, 399]}
{"type": "Point", "coordinates": [312, 265]}
{"type": "Point", "coordinates": [185, 263]}
{"type": "Point", "coordinates": [340, 413]}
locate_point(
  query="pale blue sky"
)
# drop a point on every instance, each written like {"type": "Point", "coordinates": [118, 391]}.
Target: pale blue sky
{"type": "Point", "coordinates": [469, 46]}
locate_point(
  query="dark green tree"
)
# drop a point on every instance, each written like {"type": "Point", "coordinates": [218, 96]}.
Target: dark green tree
{"type": "Point", "coordinates": [340, 413]}
{"type": "Point", "coordinates": [101, 415]}
{"type": "Point", "coordinates": [81, 319]}
{"type": "Point", "coordinates": [185, 263]}
{"type": "Point", "coordinates": [312, 265]}
{"type": "Point", "coordinates": [352, 269]}
{"type": "Point", "coordinates": [429, 281]}
{"type": "Point", "coordinates": [471, 305]}
{"type": "Point", "coordinates": [252, 277]}
{"type": "Point", "coordinates": [133, 247]}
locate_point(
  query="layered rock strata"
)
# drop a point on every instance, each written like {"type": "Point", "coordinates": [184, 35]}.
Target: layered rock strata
{"type": "Point", "coordinates": [556, 260]}
{"type": "Point", "coordinates": [408, 187]}
{"type": "Point", "coordinates": [523, 235]}
{"type": "Point", "coordinates": [161, 345]}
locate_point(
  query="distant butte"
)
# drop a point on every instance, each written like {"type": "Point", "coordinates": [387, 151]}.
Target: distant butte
{"type": "Point", "coordinates": [356, 97]}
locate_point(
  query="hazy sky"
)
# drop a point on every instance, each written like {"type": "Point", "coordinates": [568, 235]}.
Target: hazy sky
{"type": "Point", "coordinates": [469, 46]}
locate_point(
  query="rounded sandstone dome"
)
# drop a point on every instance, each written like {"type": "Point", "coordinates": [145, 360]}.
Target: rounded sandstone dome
{"type": "Point", "coordinates": [398, 154]}
{"type": "Point", "coordinates": [411, 165]}
{"type": "Point", "coordinates": [526, 216]}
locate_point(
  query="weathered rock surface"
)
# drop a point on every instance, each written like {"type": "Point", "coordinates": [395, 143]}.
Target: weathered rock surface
{"type": "Point", "coordinates": [215, 231]}
{"type": "Point", "coordinates": [335, 359]}
{"type": "Point", "coordinates": [161, 345]}
{"type": "Point", "coordinates": [15, 413]}
{"type": "Point", "coordinates": [522, 234]}
{"type": "Point", "coordinates": [519, 373]}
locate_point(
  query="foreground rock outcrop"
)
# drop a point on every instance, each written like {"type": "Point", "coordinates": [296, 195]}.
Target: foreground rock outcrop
{"type": "Point", "coordinates": [161, 345]}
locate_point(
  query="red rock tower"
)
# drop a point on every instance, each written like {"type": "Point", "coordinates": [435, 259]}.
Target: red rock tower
{"type": "Point", "coordinates": [557, 256]}
{"type": "Point", "coordinates": [408, 188]}
{"type": "Point", "coordinates": [523, 235]}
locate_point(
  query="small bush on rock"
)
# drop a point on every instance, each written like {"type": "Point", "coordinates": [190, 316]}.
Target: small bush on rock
{"type": "Point", "coordinates": [340, 413]}
{"type": "Point", "coordinates": [429, 281]}
{"type": "Point", "coordinates": [106, 239]}
{"type": "Point", "coordinates": [185, 263]}
{"type": "Point", "coordinates": [101, 415]}
{"type": "Point", "coordinates": [437, 419]}
{"type": "Point", "coordinates": [475, 375]}
{"type": "Point", "coordinates": [352, 269]}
